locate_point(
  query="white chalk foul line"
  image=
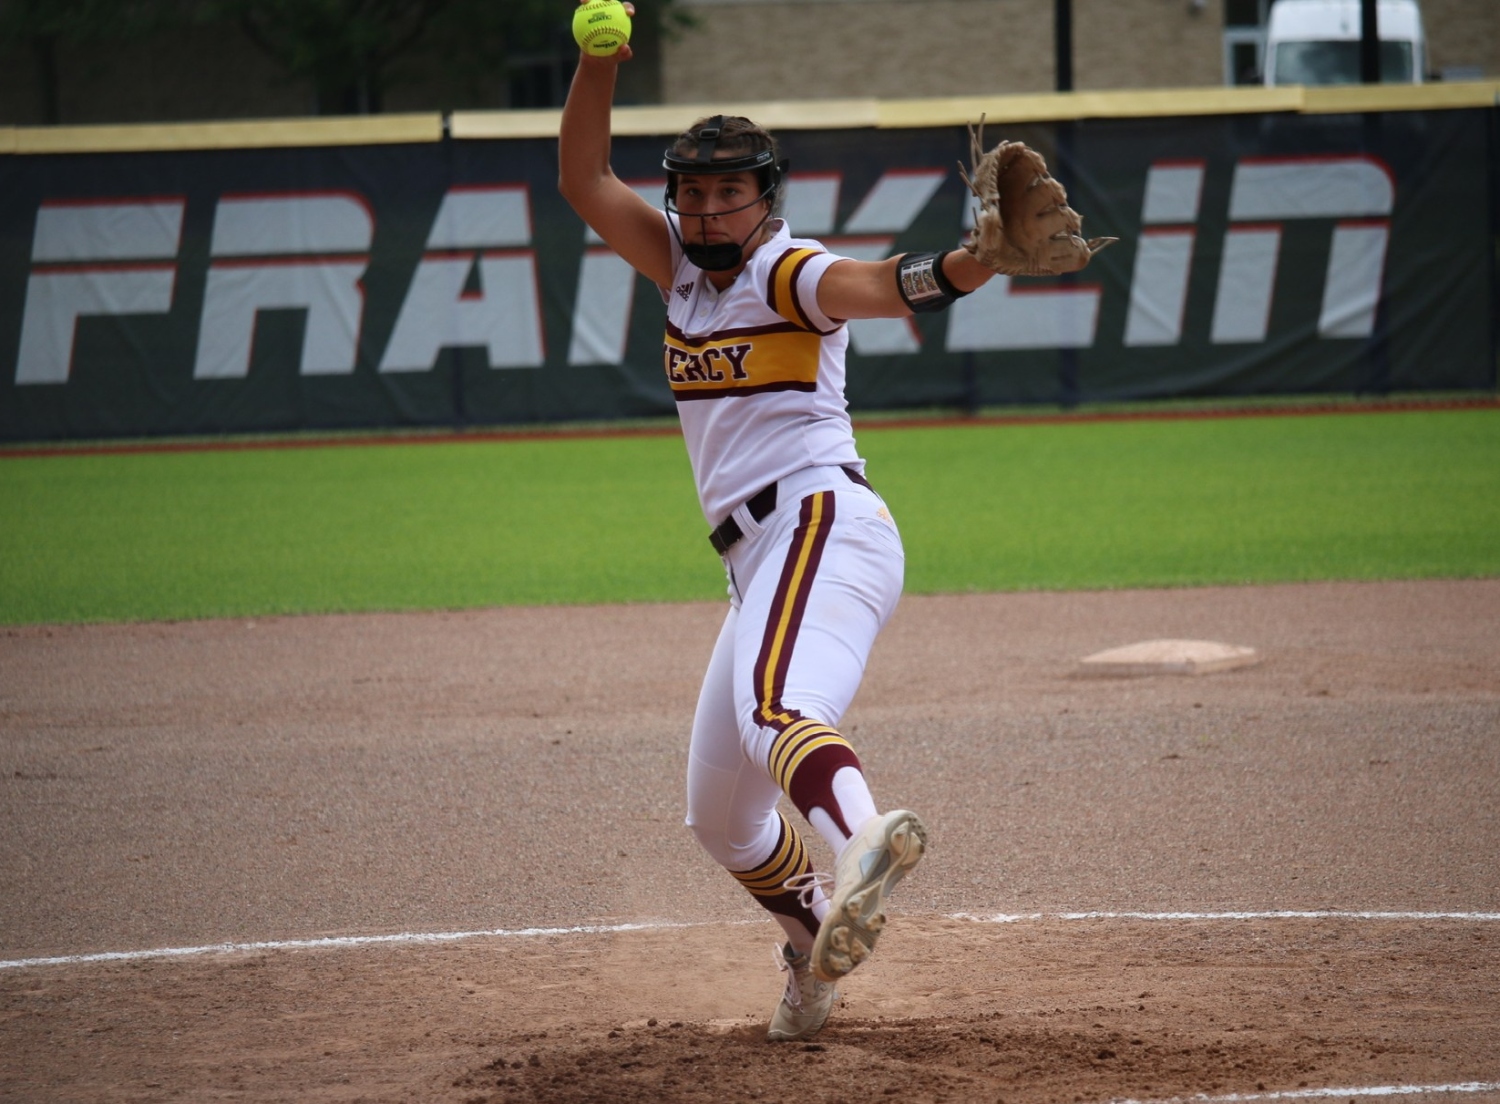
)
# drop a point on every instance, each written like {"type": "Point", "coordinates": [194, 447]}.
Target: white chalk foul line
{"type": "Point", "coordinates": [1281, 914]}
{"type": "Point", "coordinates": [992, 918]}
{"type": "Point", "coordinates": [1317, 1094]}
{"type": "Point", "coordinates": [601, 929]}
{"type": "Point", "coordinates": [336, 941]}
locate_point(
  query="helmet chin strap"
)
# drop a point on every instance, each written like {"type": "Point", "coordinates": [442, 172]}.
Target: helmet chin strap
{"type": "Point", "coordinates": [719, 256]}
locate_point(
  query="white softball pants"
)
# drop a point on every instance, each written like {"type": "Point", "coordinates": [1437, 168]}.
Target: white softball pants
{"type": "Point", "coordinates": [810, 588]}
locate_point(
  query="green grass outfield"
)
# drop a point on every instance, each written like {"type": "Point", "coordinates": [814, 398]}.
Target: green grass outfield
{"type": "Point", "coordinates": [1053, 505]}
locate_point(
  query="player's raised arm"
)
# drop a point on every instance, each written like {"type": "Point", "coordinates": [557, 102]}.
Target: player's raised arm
{"type": "Point", "coordinates": [632, 227]}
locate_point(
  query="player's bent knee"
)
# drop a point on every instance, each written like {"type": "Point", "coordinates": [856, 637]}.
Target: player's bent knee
{"type": "Point", "coordinates": [735, 851]}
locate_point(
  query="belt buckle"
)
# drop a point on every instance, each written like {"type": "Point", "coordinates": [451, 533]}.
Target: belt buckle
{"type": "Point", "coordinates": [725, 536]}
{"type": "Point", "coordinates": [728, 533]}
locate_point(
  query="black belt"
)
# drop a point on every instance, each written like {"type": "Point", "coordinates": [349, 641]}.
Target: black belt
{"type": "Point", "coordinates": [760, 505]}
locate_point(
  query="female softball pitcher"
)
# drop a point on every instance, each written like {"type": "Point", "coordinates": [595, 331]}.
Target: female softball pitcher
{"type": "Point", "coordinates": [754, 352]}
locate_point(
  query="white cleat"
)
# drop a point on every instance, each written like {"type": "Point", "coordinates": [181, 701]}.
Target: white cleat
{"type": "Point", "coordinates": [806, 1002]}
{"type": "Point", "coordinates": [881, 853]}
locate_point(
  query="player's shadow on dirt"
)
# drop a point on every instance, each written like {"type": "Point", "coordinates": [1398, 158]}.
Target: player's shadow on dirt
{"type": "Point", "coordinates": [982, 1059]}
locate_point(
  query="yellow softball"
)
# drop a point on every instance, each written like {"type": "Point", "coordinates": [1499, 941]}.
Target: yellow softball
{"type": "Point", "coordinates": [601, 27]}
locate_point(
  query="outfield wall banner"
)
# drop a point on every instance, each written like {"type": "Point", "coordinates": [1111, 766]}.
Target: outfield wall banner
{"type": "Point", "coordinates": [449, 284]}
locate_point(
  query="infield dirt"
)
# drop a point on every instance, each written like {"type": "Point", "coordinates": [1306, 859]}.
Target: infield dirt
{"type": "Point", "coordinates": [202, 783]}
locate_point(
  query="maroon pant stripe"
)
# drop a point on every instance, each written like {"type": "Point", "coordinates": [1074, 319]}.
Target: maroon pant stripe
{"type": "Point", "coordinates": [784, 620]}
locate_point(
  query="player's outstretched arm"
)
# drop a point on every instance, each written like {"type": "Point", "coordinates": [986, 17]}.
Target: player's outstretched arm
{"type": "Point", "coordinates": [632, 227]}
{"type": "Point", "coordinates": [869, 289]}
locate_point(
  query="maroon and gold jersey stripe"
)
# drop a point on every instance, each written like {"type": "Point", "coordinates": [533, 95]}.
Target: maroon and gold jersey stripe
{"type": "Point", "coordinates": [781, 287]}
{"type": "Point", "coordinates": [742, 362]}
{"type": "Point", "coordinates": [677, 336]}
{"type": "Point", "coordinates": [788, 606]}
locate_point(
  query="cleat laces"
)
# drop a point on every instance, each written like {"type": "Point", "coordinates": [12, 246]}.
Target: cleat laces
{"type": "Point", "coordinates": [807, 886]}
{"type": "Point", "coordinates": [793, 994]}
{"type": "Point", "coordinates": [802, 985]}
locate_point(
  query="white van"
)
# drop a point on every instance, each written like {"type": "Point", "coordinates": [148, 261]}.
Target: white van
{"type": "Point", "coordinates": [1317, 42]}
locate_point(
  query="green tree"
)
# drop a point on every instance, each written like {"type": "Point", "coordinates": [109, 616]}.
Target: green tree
{"type": "Point", "coordinates": [41, 26]}
{"type": "Point", "coordinates": [353, 51]}
{"type": "Point", "coordinates": [346, 49]}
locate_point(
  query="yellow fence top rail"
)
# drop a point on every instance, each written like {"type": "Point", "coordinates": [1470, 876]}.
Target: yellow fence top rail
{"type": "Point", "coordinates": [1059, 106]}
{"type": "Point", "coordinates": [1415, 97]}
{"type": "Point", "coordinates": [671, 119]}
{"type": "Point", "coordinates": [1045, 107]}
{"type": "Point", "coordinates": [342, 130]}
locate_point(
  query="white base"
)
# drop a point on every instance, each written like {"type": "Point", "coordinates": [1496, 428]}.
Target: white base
{"type": "Point", "coordinates": [1168, 657]}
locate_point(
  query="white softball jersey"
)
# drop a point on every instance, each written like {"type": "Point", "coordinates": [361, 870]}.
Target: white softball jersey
{"type": "Point", "coordinates": [757, 371]}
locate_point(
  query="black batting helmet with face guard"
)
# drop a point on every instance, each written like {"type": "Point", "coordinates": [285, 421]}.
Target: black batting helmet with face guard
{"type": "Point", "coordinates": [713, 147]}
